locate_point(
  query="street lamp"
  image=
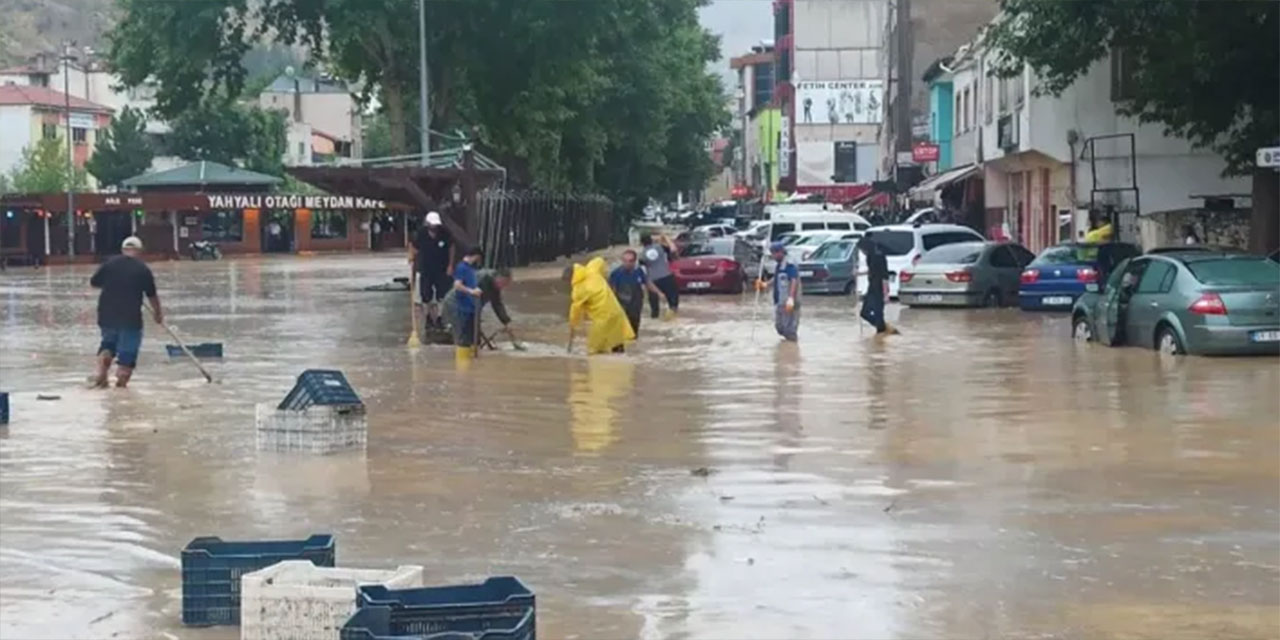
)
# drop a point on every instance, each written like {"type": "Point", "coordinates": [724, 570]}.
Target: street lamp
{"type": "Point", "coordinates": [423, 83]}
{"type": "Point", "coordinates": [71, 169]}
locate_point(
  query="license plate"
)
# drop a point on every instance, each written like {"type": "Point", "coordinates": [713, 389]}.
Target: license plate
{"type": "Point", "coordinates": [1055, 300]}
{"type": "Point", "coordinates": [1265, 336]}
{"type": "Point", "coordinates": [806, 274]}
{"type": "Point", "coordinates": [699, 285]}
{"type": "Point", "coordinates": [929, 297]}
{"type": "Point", "coordinates": [1091, 287]}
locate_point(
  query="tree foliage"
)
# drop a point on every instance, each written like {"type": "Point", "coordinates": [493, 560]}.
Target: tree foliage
{"type": "Point", "coordinates": [237, 135]}
{"type": "Point", "coordinates": [609, 95]}
{"type": "Point", "coordinates": [1209, 71]}
{"type": "Point", "coordinates": [122, 150]}
{"type": "Point", "coordinates": [43, 169]}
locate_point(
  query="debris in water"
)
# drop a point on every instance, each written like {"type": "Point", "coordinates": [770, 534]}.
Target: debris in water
{"type": "Point", "coordinates": [702, 472]}
{"type": "Point", "coordinates": [48, 396]}
{"type": "Point", "coordinates": [891, 506]}
{"type": "Point", "coordinates": [726, 498]}
{"type": "Point", "coordinates": [820, 500]}
{"type": "Point", "coordinates": [751, 561]}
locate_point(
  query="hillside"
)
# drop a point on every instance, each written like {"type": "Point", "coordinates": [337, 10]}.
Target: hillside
{"type": "Point", "coordinates": [33, 26]}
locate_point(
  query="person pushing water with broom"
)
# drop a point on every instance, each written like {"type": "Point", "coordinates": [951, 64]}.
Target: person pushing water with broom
{"type": "Point", "coordinates": [123, 281]}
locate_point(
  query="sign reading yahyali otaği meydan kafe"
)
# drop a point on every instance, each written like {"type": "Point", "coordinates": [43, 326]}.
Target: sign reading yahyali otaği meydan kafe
{"type": "Point", "coordinates": [283, 201]}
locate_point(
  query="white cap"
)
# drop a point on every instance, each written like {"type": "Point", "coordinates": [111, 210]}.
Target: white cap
{"type": "Point", "coordinates": [433, 219]}
{"type": "Point", "coordinates": [132, 242]}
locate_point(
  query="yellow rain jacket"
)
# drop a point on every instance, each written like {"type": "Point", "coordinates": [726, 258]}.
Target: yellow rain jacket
{"type": "Point", "coordinates": [1100, 235]}
{"type": "Point", "coordinates": [593, 299]}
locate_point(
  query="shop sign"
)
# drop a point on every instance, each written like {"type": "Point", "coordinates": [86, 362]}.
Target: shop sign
{"type": "Point", "coordinates": [293, 202]}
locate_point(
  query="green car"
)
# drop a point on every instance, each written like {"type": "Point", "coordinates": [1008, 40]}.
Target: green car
{"type": "Point", "coordinates": [1207, 303]}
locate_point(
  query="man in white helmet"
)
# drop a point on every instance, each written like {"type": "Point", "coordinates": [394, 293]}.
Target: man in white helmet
{"type": "Point", "coordinates": [123, 280]}
{"type": "Point", "coordinates": [433, 255]}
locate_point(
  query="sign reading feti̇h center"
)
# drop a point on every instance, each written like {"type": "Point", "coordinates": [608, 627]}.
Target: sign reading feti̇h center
{"type": "Point", "coordinates": [828, 102]}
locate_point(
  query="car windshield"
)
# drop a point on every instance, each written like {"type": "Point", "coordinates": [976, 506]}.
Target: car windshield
{"type": "Point", "coordinates": [1251, 271]}
{"type": "Point", "coordinates": [961, 253]}
{"type": "Point", "coordinates": [813, 239]}
{"type": "Point", "coordinates": [1067, 254]}
{"type": "Point", "coordinates": [788, 239]}
{"type": "Point", "coordinates": [833, 251]}
{"type": "Point", "coordinates": [894, 243]}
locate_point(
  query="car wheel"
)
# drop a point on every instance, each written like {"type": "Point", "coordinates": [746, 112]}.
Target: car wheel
{"type": "Point", "coordinates": [848, 288]}
{"type": "Point", "coordinates": [1082, 329]}
{"type": "Point", "coordinates": [992, 299]}
{"type": "Point", "coordinates": [1168, 343]}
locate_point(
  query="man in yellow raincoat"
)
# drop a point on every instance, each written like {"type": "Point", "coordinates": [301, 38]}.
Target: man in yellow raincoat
{"type": "Point", "coordinates": [593, 299]}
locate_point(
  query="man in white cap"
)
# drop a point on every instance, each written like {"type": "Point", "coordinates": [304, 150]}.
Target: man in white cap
{"type": "Point", "coordinates": [433, 255]}
{"type": "Point", "coordinates": [123, 280]}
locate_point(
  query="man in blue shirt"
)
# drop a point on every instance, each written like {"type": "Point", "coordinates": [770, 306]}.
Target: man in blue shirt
{"type": "Point", "coordinates": [466, 283]}
{"type": "Point", "coordinates": [786, 294]}
{"type": "Point", "coordinates": [629, 284]}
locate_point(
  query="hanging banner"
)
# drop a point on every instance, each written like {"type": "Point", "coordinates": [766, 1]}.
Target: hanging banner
{"type": "Point", "coordinates": [828, 102]}
{"type": "Point", "coordinates": [784, 147]}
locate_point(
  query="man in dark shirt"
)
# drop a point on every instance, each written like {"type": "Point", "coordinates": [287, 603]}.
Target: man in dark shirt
{"type": "Point", "coordinates": [877, 285]}
{"type": "Point", "coordinates": [629, 284]}
{"type": "Point", "coordinates": [432, 254]}
{"type": "Point", "coordinates": [124, 280]}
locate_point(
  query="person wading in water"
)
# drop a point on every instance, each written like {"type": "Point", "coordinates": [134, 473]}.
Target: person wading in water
{"type": "Point", "coordinates": [629, 284]}
{"type": "Point", "coordinates": [123, 281]}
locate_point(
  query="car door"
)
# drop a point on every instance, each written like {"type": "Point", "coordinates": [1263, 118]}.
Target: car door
{"type": "Point", "coordinates": [1006, 272]}
{"type": "Point", "coordinates": [1119, 315]}
{"type": "Point", "coordinates": [1106, 313]}
{"type": "Point", "coordinates": [1149, 301]}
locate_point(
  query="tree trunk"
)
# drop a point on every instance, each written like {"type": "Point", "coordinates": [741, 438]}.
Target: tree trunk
{"type": "Point", "coordinates": [1264, 225]}
{"type": "Point", "coordinates": [395, 118]}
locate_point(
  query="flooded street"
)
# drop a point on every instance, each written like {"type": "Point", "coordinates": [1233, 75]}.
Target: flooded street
{"type": "Point", "coordinates": [981, 476]}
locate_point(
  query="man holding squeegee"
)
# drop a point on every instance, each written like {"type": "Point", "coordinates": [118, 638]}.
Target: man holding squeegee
{"type": "Point", "coordinates": [123, 281]}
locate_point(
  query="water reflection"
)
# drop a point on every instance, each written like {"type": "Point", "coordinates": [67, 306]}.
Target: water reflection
{"type": "Point", "coordinates": [598, 397]}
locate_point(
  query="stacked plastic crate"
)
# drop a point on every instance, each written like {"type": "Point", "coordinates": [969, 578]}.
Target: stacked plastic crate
{"type": "Point", "coordinates": [322, 414]}
{"type": "Point", "coordinates": [500, 608]}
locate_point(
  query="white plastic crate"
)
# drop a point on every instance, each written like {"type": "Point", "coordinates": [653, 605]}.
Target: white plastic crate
{"type": "Point", "coordinates": [316, 429]}
{"type": "Point", "coordinates": [296, 600]}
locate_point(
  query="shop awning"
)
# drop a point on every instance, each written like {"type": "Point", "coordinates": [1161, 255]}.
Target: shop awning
{"type": "Point", "coordinates": [202, 174]}
{"type": "Point", "coordinates": [941, 180]}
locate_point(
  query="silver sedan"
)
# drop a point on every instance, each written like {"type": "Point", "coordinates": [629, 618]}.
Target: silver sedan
{"type": "Point", "coordinates": [965, 274]}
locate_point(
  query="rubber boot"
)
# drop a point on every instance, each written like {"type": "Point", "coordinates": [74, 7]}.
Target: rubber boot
{"type": "Point", "coordinates": [122, 376]}
{"type": "Point", "coordinates": [462, 357]}
{"type": "Point", "coordinates": [104, 368]}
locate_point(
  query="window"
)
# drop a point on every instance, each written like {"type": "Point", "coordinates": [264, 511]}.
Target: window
{"type": "Point", "coordinates": [948, 237]}
{"type": "Point", "coordinates": [328, 225]}
{"type": "Point", "coordinates": [1122, 72]}
{"type": "Point", "coordinates": [1002, 258]}
{"type": "Point", "coordinates": [956, 253]}
{"type": "Point", "coordinates": [1236, 271]}
{"type": "Point", "coordinates": [779, 228]}
{"type": "Point", "coordinates": [968, 108]}
{"type": "Point", "coordinates": [79, 135]}
{"type": "Point", "coordinates": [761, 84]}
{"type": "Point", "coordinates": [895, 243]}
{"type": "Point", "coordinates": [1002, 90]}
{"type": "Point", "coordinates": [839, 226]}
{"type": "Point", "coordinates": [1018, 91]}
{"type": "Point", "coordinates": [49, 131]}
{"type": "Point", "coordinates": [223, 226]}
{"type": "Point", "coordinates": [988, 85]}
{"type": "Point", "coordinates": [955, 117]}
{"type": "Point", "coordinates": [846, 163]}
{"type": "Point", "coordinates": [812, 226]}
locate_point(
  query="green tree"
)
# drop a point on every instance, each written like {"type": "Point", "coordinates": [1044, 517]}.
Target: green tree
{"type": "Point", "coordinates": [123, 149]}
{"type": "Point", "coordinates": [43, 169]}
{"type": "Point", "coordinates": [221, 131]}
{"type": "Point", "coordinates": [1207, 71]}
{"type": "Point", "coordinates": [5, 185]}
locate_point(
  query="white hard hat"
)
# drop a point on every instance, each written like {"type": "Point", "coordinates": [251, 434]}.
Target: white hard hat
{"type": "Point", "coordinates": [433, 219]}
{"type": "Point", "coordinates": [132, 242]}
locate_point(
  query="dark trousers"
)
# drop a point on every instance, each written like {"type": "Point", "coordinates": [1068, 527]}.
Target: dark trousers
{"type": "Point", "coordinates": [873, 307]}
{"type": "Point", "coordinates": [669, 290]}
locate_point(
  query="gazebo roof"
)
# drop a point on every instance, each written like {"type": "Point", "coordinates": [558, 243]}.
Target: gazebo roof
{"type": "Point", "coordinates": [203, 173]}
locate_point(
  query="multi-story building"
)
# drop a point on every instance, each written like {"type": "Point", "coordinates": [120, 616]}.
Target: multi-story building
{"type": "Point", "coordinates": [831, 71]}
{"type": "Point", "coordinates": [755, 165]}
{"type": "Point", "coordinates": [324, 117]}
{"type": "Point", "coordinates": [30, 113]}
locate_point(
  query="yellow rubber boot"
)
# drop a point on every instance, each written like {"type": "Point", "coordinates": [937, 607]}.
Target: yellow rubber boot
{"type": "Point", "coordinates": [462, 357]}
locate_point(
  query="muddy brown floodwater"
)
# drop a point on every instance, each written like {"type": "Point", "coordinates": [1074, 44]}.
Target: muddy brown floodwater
{"type": "Point", "coordinates": [980, 476]}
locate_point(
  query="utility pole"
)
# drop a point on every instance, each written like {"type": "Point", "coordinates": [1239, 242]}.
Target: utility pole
{"type": "Point", "coordinates": [71, 168]}
{"type": "Point", "coordinates": [423, 82]}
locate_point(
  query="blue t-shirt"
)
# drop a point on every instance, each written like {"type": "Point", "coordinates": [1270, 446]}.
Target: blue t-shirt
{"type": "Point", "coordinates": [787, 273]}
{"type": "Point", "coordinates": [620, 277]}
{"type": "Point", "coordinates": [467, 274]}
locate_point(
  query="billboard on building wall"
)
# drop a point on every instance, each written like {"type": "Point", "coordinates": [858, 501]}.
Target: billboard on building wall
{"type": "Point", "coordinates": [828, 102]}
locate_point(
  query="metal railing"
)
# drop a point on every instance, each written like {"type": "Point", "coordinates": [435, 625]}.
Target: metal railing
{"type": "Point", "coordinates": [519, 228]}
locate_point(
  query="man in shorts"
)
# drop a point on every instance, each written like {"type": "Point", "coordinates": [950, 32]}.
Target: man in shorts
{"type": "Point", "coordinates": [123, 281]}
{"type": "Point", "coordinates": [433, 254]}
{"type": "Point", "coordinates": [656, 258]}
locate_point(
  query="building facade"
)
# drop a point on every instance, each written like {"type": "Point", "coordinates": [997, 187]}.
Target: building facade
{"type": "Point", "coordinates": [755, 159]}
{"type": "Point", "coordinates": [319, 108]}
{"type": "Point", "coordinates": [30, 113]}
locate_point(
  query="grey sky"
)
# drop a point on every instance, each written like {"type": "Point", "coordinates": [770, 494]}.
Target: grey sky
{"type": "Point", "coordinates": [740, 24]}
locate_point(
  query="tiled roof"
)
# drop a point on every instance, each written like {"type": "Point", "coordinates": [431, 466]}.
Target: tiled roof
{"type": "Point", "coordinates": [18, 94]}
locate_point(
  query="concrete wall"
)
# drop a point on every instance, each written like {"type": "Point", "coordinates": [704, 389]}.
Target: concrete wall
{"type": "Point", "coordinates": [333, 113]}
{"type": "Point", "coordinates": [15, 134]}
{"type": "Point", "coordinates": [816, 164]}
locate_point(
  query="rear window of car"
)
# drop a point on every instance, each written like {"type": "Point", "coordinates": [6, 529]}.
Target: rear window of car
{"type": "Point", "coordinates": [834, 251]}
{"type": "Point", "coordinates": [895, 243]}
{"type": "Point", "coordinates": [959, 253]}
{"type": "Point", "coordinates": [1066, 254]}
{"type": "Point", "coordinates": [938, 239]}
{"type": "Point", "coordinates": [1255, 271]}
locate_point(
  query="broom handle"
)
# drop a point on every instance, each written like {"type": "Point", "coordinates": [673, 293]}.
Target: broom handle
{"type": "Point", "coordinates": [182, 345]}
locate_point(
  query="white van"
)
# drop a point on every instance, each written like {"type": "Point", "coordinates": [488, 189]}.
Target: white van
{"type": "Point", "coordinates": [785, 221]}
{"type": "Point", "coordinates": [903, 245]}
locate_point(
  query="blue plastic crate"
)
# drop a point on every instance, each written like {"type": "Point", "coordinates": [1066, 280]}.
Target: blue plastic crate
{"type": "Point", "coordinates": [501, 605]}
{"type": "Point", "coordinates": [211, 571]}
{"type": "Point", "coordinates": [374, 623]}
{"type": "Point", "coordinates": [320, 386]}
{"type": "Point", "coordinates": [4, 407]}
{"type": "Point", "coordinates": [202, 350]}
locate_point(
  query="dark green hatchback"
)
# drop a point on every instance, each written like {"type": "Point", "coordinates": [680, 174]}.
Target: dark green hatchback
{"type": "Point", "coordinates": [1210, 303]}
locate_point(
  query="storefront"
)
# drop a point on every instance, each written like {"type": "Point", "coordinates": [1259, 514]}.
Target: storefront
{"type": "Point", "coordinates": [34, 227]}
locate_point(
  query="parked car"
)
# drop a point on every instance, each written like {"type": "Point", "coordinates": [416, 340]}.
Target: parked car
{"type": "Point", "coordinates": [1191, 302]}
{"type": "Point", "coordinates": [806, 244]}
{"type": "Point", "coordinates": [829, 269]}
{"type": "Point", "coordinates": [715, 231]}
{"type": "Point", "coordinates": [1061, 273]}
{"type": "Point", "coordinates": [965, 274]}
{"type": "Point", "coordinates": [756, 231]}
{"type": "Point", "coordinates": [904, 244]}
{"type": "Point", "coordinates": [720, 265]}
{"type": "Point", "coordinates": [1183, 248]}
